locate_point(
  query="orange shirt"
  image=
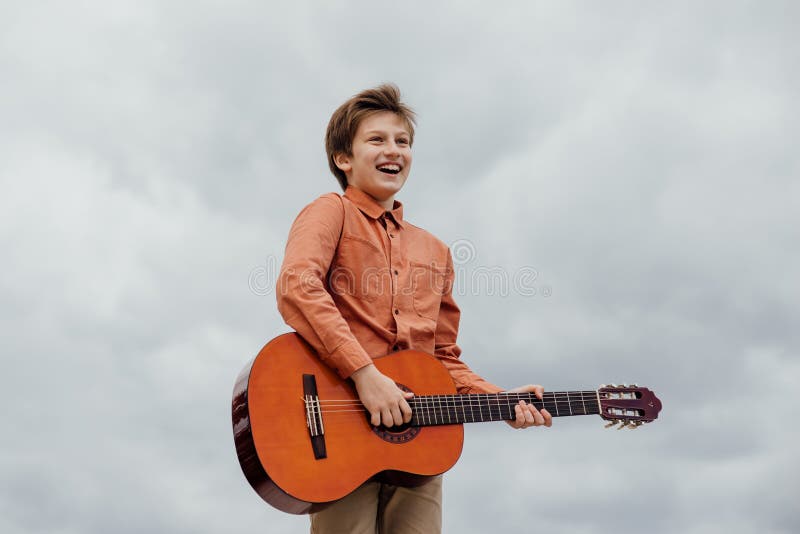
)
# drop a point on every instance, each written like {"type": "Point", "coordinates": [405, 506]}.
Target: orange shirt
{"type": "Point", "coordinates": [386, 285]}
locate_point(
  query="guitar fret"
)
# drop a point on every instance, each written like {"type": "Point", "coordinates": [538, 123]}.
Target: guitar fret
{"type": "Point", "coordinates": [500, 416]}
{"type": "Point", "coordinates": [450, 413]}
{"type": "Point", "coordinates": [569, 404]}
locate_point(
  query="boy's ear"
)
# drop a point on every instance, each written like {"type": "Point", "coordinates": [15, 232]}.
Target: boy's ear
{"type": "Point", "coordinates": [343, 162]}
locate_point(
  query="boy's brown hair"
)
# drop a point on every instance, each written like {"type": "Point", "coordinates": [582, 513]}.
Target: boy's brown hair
{"type": "Point", "coordinates": [345, 120]}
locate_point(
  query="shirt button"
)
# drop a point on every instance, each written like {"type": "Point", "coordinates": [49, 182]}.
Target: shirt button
{"type": "Point", "coordinates": [396, 311]}
{"type": "Point", "coordinates": [391, 235]}
{"type": "Point", "coordinates": [396, 271]}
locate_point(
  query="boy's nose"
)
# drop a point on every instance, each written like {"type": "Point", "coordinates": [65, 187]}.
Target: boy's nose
{"type": "Point", "coordinates": [391, 148]}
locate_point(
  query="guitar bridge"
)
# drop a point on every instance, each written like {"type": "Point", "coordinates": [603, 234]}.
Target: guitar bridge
{"type": "Point", "coordinates": [316, 429]}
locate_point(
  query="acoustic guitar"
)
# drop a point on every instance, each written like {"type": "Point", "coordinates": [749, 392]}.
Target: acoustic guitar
{"type": "Point", "coordinates": [304, 440]}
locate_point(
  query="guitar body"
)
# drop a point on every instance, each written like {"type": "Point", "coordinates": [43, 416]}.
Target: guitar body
{"type": "Point", "coordinates": [272, 429]}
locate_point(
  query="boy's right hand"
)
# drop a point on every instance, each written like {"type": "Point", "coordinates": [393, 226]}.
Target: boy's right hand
{"type": "Point", "coordinates": [385, 402]}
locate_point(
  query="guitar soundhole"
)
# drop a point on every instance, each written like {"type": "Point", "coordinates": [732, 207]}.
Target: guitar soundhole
{"type": "Point", "coordinates": [396, 434]}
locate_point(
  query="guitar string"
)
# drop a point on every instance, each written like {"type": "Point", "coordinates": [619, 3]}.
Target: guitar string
{"type": "Point", "coordinates": [480, 397]}
{"type": "Point", "coordinates": [469, 404]}
{"type": "Point", "coordinates": [435, 408]}
{"type": "Point", "coordinates": [496, 413]}
{"type": "Point", "coordinates": [502, 416]}
{"type": "Point", "coordinates": [508, 394]}
{"type": "Point", "coordinates": [427, 412]}
{"type": "Point", "coordinates": [451, 407]}
{"type": "Point", "coordinates": [445, 409]}
{"type": "Point", "coordinates": [474, 404]}
{"type": "Point", "coordinates": [426, 402]}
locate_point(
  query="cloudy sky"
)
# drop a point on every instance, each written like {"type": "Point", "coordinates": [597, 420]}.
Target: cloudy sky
{"type": "Point", "coordinates": [636, 157]}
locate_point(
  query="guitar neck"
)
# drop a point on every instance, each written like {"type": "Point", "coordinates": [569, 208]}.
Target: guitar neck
{"type": "Point", "coordinates": [430, 410]}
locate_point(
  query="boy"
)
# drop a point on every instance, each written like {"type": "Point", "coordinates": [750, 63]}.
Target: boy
{"type": "Point", "coordinates": [358, 281]}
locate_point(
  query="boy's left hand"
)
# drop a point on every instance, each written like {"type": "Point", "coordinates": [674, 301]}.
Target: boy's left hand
{"type": "Point", "coordinates": [527, 414]}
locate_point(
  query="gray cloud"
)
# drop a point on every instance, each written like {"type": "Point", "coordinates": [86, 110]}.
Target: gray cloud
{"type": "Point", "coordinates": [638, 158]}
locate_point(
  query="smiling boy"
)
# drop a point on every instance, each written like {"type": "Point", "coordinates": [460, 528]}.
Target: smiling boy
{"type": "Point", "coordinates": [358, 281]}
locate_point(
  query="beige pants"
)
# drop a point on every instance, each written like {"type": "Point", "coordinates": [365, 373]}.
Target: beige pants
{"type": "Point", "coordinates": [377, 508]}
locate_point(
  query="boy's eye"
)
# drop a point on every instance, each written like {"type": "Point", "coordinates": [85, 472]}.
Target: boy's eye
{"type": "Point", "coordinates": [402, 141]}
{"type": "Point", "coordinates": [374, 138]}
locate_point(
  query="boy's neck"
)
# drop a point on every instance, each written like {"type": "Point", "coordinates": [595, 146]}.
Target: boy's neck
{"type": "Point", "coordinates": [387, 204]}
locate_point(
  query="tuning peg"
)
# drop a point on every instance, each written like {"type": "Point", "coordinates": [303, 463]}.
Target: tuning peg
{"type": "Point", "coordinates": [632, 425]}
{"type": "Point", "coordinates": [622, 424]}
{"type": "Point", "coordinates": [611, 423]}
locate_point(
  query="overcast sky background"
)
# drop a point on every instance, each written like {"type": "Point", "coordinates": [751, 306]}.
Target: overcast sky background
{"type": "Point", "coordinates": [640, 157]}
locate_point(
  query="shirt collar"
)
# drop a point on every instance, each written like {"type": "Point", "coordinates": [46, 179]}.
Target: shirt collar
{"type": "Point", "coordinates": [370, 207]}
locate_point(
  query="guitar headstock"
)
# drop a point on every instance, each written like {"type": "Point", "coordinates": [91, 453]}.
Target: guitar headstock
{"type": "Point", "coordinates": [628, 406]}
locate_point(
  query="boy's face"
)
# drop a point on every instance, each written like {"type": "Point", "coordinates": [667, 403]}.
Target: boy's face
{"type": "Point", "coordinates": [381, 158]}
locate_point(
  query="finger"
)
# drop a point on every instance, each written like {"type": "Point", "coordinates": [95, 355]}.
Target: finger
{"type": "Point", "coordinates": [530, 413]}
{"type": "Point", "coordinates": [406, 409]}
{"type": "Point", "coordinates": [519, 422]}
{"type": "Point", "coordinates": [375, 418]}
{"type": "Point", "coordinates": [539, 391]}
{"type": "Point", "coordinates": [522, 415]}
{"type": "Point", "coordinates": [397, 416]}
{"type": "Point", "coordinates": [386, 417]}
{"type": "Point", "coordinates": [548, 419]}
{"type": "Point", "coordinates": [538, 418]}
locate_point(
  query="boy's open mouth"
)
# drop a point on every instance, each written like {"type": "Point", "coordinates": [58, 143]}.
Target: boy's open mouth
{"type": "Point", "coordinates": [389, 168]}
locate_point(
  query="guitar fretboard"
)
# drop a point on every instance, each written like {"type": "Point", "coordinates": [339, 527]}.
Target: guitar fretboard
{"type": "Point", "coordinates": [429, 410]}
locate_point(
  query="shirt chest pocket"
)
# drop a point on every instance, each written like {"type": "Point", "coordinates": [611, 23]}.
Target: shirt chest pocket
{"type": "Point", "coordinates": [428, 284]}
{"type": "Point", "coordinates": [360, 270]}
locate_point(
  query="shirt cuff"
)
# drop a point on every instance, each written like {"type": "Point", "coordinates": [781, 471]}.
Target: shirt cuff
{"type": "Point", "coordinates": [348, 358]}
{"type": "Point", "coordinates": [478, 386]}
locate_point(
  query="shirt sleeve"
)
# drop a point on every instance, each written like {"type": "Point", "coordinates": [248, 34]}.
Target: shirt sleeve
{"type": "Point", "coordinates": [446, 348]}
{"type": "Point", "coordinates": [303, 300]}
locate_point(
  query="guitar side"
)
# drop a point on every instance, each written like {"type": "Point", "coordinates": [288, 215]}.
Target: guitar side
{"type": "Point", "coordinates": [273, 442]}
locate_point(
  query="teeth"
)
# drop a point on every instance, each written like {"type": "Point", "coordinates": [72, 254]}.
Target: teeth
{"type": "Point", "coordinates": [395, 168]}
